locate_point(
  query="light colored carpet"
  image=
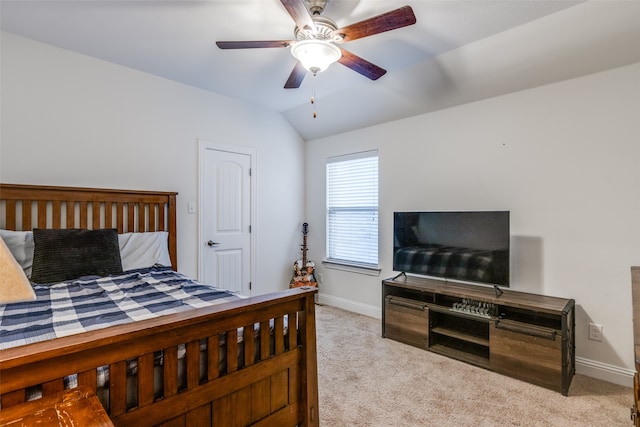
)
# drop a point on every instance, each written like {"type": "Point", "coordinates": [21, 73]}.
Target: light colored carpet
{"type": "Point", "coordinates": [367, 380]}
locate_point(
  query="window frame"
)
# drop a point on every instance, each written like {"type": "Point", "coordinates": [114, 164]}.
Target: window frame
{"type": "Point", "coordinates": [346, 264]}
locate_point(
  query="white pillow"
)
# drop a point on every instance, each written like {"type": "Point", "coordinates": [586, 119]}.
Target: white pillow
{"type": "Point", "coordinates": [143, 250]}
{"type": "Point", "coordinates": [20, 244]}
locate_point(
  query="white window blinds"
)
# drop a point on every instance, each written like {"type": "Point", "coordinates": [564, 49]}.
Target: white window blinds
{"type": "Point", "coordinates": [352, 208]}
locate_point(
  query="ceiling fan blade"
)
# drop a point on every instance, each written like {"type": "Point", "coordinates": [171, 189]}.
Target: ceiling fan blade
{"type": "Point", "coordinates": [392, 20]}
{"type": "Point", "coordinates": [361, 65]}
{"type": "Point", "coordinates": [253, 44]}
{"type": "Point", "coordinates": [295, 78]}
{"type": "Point", "coordinates": [299, 13]}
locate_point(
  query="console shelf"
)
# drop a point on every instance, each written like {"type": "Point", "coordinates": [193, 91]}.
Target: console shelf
{"type": "Point", "coordinates": [465, 356]}
{"type": "Point", "coordinates": [453, 333]}
{"type": "Point", "coordinates": [522, 335]}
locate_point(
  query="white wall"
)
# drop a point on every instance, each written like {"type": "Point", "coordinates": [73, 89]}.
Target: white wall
{"type": "Point", "coordinates": [563, 158]}
{"type": "Point", "coordinates": [68, 119]}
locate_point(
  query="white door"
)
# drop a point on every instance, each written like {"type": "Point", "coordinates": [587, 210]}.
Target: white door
{"type": "Point", "coordinates": [226, 213]}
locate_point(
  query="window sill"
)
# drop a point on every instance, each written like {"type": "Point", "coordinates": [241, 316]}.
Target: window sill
{"type": "Point", "coordinates": [352, 268]}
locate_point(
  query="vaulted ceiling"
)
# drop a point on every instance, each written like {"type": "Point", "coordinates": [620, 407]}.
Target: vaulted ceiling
{"type": "Point", "coordinates": [458, 51]}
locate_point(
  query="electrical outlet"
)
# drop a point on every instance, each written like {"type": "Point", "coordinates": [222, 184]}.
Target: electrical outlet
{"type": "Point", "coordinates": [191, 207]}
{"type": "Point", "coordinates": [595, 332]}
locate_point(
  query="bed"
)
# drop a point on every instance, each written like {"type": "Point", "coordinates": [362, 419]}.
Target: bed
{"type": "Point", "coordinates": [243, 361]}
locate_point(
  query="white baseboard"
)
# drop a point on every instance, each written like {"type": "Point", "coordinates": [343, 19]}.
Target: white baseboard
{"type": "Point", "coordinates": [349, 305]}
{"type": "Point", "coordinates": [605, 372]}
{"type": "Point", "coordinates": [590, 368]}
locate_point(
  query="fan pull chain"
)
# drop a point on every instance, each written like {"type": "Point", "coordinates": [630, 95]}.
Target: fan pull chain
{"type": "Point", "coordinates": [313, 96]}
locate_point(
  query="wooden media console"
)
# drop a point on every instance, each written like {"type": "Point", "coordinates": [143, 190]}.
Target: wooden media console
{"type": "Point", "coordinates": [526, 336]}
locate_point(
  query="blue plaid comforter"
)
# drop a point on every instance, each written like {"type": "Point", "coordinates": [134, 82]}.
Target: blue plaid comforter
{"type": "Point", "coordinates": [93, 302]}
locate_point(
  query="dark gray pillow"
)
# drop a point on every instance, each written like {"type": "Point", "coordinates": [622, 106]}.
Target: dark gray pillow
{"type": "Point", "coordinates": [66, 254]}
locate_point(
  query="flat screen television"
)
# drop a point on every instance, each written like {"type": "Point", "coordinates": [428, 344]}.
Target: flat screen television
{"type": "Point", "coordinates": [461, 246]}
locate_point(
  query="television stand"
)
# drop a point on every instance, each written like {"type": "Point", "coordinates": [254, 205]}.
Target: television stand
{"type": "Point", "coordinates": [526, 336]}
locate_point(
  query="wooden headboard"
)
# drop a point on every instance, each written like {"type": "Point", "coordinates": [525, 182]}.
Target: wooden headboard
{"type": "Point", "coordinates": [25, 207]}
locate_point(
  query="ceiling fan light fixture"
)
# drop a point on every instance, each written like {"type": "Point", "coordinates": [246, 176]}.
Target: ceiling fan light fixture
{"type": "Point", "coordinates": [316, 55]}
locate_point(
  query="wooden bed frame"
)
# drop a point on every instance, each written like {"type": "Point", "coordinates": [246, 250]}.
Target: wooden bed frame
{"type": "Point", "coordinates": [275, 383]}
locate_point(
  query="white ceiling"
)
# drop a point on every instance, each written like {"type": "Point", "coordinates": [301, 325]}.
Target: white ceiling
{"type": "Point", "coordinates": [459, 51]}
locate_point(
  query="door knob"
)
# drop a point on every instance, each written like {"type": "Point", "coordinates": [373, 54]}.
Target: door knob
{"type": "Point", "coordinates": [212, 243]}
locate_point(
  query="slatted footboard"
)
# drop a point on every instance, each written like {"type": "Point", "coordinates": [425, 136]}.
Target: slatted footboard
{"type": "Point", "coordinates": [273, 383]}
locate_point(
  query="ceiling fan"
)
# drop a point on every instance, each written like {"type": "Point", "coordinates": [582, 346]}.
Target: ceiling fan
{"type": "Point", "coordinates": [317, 39]}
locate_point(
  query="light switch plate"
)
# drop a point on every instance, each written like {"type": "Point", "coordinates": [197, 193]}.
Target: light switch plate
{"type": "Point", "coordinates": [595, 332]}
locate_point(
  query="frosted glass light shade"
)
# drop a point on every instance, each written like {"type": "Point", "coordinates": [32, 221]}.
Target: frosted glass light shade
{"type": "Point", "coordinates": [14, 285]}
{"type": "Point", "coordinates": [316, 55]}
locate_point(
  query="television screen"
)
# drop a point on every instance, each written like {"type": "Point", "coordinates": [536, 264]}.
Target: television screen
{"type": "Point", "coordinates": [463, 246]}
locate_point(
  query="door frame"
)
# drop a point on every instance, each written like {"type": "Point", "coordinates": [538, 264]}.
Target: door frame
{"type": "Point", "coordinates": [203, 146]}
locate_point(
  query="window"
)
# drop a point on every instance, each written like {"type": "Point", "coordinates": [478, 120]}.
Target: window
{"type": "Point", "coordinates": [352, 209]}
